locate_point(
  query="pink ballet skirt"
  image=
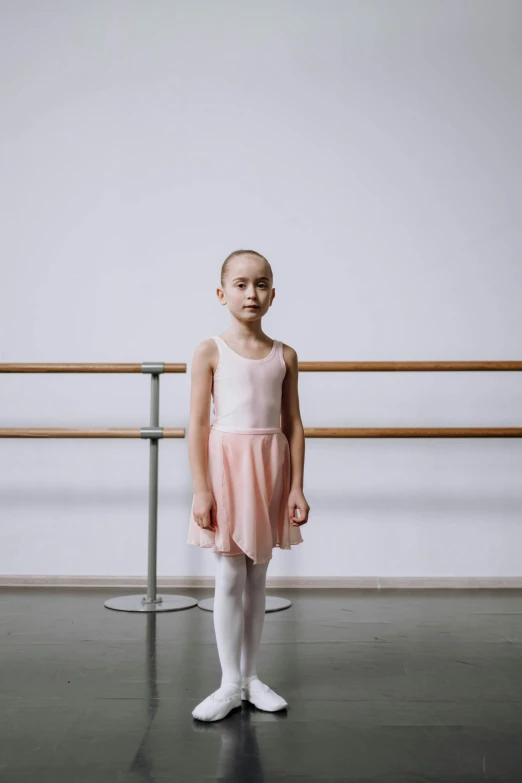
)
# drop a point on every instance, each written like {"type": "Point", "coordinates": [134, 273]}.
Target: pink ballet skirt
{"type": "Point", "coordinates": [249, 477]}
{"type": "Point", "coordinates": [249, 468]}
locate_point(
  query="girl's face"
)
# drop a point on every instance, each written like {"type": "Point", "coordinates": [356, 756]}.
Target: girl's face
{"type": "Point", "coordinates": [247, 282]}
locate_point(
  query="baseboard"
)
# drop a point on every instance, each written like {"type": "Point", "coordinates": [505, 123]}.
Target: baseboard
{"type": "Point", "coordinates": [274, 582]}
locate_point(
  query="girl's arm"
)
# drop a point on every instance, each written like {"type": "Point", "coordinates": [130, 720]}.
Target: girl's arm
{"type": "Point", "coordinates": [291, 423]}
{"type": "Point", "coordinates": [199, 422]}
{"type": "Point", "coordinates": [292, 427]}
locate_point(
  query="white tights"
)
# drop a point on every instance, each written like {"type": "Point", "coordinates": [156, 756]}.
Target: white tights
{"type": "Point", "coordinates": [239, 614]}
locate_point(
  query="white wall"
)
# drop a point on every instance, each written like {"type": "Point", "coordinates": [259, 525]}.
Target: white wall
{"type": "Point", "coordinates": [371, 150]}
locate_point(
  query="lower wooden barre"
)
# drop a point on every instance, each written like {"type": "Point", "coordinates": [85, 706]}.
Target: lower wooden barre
{"type": "Point", "coordinates": [85, 432]}
{"type": "Point", "coordinates": [413, 432]}
{"type": "Point", "coordinates": [310, 432]}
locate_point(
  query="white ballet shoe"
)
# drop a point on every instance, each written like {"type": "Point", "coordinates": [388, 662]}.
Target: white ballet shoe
{"type": "Point", "coordinates": [218, 704]}
{"type": "Point", "coordinates": [263, 697]}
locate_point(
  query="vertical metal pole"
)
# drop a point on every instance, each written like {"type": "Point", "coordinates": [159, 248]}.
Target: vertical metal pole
{"type": "Point", "coordinates": [152, 602]}
{"type": "Point", "coordinates": [153, 489]}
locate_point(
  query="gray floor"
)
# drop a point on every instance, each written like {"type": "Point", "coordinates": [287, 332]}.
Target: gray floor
{"type": "Point", "coordinates": [382, 686]}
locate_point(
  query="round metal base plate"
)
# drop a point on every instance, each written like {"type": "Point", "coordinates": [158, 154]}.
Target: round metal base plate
{"type": "Point", "coordinates": [163, 603]}
{"type": "Point", "coordinates": [272, 604]}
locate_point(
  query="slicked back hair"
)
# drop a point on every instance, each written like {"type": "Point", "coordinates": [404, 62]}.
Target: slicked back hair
{"type": "Point", "coordinates": [241, 253]}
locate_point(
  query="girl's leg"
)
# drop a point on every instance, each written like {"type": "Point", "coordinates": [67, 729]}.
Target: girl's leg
{"type": "Point", "coordinates": [254, 600]}
{"type": "Point", "coordinates": [228, 625]}
{"type": "Point", "coordinates": [228, 614]}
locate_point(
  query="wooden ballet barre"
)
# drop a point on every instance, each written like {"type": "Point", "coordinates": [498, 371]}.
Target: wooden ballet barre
{"type": "Point", "coordinates": [310, 432]}
{"type": "Point", "coordinates": [418, 366]}
{"type": "Point", "coordinates": [86, 432]}
{"type": "Point", "coordinates": [111, 367]}
{"type": "Point", "coordinates": [467, 366]}
{"type": "Point", "coordinates": [413, 432]}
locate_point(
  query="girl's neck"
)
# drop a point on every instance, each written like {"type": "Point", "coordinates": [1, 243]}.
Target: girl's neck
{"type": "Point", "coordinates": [245, 334]}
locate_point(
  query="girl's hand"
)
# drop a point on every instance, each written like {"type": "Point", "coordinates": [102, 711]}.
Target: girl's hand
{"type": "Point", "coordinates": [296, 500]}
{"type": "Point", "coordinates": [204, 510]}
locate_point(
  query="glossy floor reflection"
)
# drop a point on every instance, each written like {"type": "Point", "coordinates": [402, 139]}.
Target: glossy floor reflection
{"type": "Point", "coordinates": [382, 686]}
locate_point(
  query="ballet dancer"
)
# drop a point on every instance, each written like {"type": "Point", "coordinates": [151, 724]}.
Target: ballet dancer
{"type": "Point", "coordinates": [247, 471]}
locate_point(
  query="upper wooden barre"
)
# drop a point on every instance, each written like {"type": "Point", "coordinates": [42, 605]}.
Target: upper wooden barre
{"type": "Point", "coordinates": [118, 367]}
{"type": "Point", "coordinates": [420, 366]}
{"type": "Point", "coordinates": [416, 366]}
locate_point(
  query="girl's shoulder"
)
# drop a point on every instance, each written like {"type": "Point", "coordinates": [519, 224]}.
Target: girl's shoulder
{"type": "Point", "coordinates": [289, 355]}
{"type": "Point", "coordinates": [207, 353]}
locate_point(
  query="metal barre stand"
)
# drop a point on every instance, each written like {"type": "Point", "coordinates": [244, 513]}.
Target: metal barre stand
{"type": "Point", "coordinates": [152, 602]}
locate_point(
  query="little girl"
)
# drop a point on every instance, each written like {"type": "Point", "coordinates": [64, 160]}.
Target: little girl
{"type": "Point", "coordinates": [247, 472]}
